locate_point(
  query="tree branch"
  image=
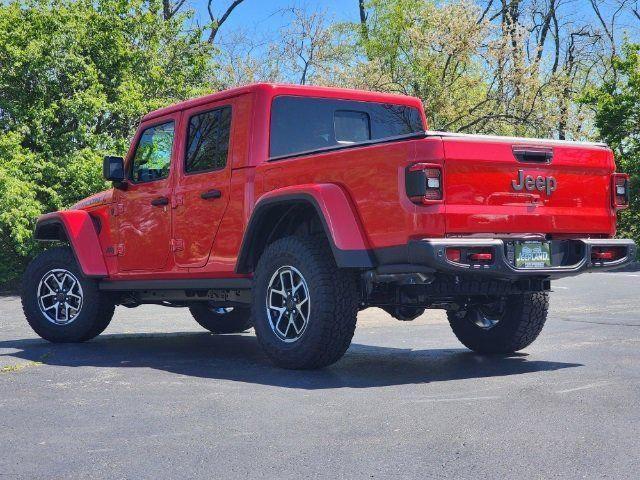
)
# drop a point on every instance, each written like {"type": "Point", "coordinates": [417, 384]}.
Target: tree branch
{"type": "Point", "coordinates": [216, 23]}
{"type": "Point", "coordinates": [169, 11]}
{"type": "Point", "coordinates": [485, 12]}
{"type": "Point", "coordinates": [545, 29]}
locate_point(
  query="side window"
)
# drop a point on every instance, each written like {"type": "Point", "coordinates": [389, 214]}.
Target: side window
{"type": "Point", "coordinates": [152, 158]}
{"type": "Point", "coordinates": [393, 120]}
{"type": "Point", "coordinates": [351, 126]}
{"type": "Point", "coordinates": [302, 125]}
{"type": "Point", "coordinates": [208, 140]}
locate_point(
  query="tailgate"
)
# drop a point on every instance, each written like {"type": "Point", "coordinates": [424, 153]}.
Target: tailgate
{"type": "Point", "coordinates": [508, 185]}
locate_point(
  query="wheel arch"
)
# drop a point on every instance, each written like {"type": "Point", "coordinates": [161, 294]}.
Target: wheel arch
{"type": "Point", "coordinates": [78, 229]}
{"type": "Point", "coordinates": [323, 208]}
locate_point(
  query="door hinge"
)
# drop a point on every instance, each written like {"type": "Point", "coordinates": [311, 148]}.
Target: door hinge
{"type": "Point", "coordinates": [177, 244]}
{"type": "Point", "coordinates": [177, 200]}
{"type": "Point", "coordinates": [117, 209]}
{"type": "Point", "coordinates": [114, 250]}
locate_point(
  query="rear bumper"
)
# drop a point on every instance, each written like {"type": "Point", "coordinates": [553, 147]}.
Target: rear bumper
{"type": "Point", "coordinates": [431, 253]}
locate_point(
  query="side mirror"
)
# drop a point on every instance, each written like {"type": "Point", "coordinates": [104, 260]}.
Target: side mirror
{"type": "Point", "coordinates": [113, 168]}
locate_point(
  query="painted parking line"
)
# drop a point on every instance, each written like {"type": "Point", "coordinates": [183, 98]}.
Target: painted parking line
{"type": "Point", "coordinates": [456, 399]}
{"type": "Point", "coordinates": [584, 387]}
{"type": "Point", "coordinates": [624, 274]}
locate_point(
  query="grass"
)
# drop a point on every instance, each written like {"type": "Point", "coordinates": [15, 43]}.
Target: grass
{"type": "Point", "coordinates": [17, 367]}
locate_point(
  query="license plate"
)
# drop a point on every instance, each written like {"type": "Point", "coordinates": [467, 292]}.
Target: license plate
{"type": "Point", "coordinates": [533, 255]}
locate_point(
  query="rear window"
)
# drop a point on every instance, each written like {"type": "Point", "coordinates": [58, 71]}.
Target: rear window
{"type": "Point", "coordinates": [208, 140]}
{"type": "Point", "coordinates": [300, 124]}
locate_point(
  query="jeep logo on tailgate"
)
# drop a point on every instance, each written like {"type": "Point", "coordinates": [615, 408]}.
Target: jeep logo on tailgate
{"type": "Point", "coordinates": [528, 182]}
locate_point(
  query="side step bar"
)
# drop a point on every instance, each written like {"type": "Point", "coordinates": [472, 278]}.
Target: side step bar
{"type": "Point", "coordinates": [222, 291]}
{"type": "Point", "coordinates": [176, 284]}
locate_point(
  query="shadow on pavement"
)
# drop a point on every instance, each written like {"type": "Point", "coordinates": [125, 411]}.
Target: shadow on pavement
{"type": "Point", "coordinates": [239, 358]}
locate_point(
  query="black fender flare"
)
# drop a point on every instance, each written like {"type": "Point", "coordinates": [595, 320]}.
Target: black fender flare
{"type": "Point", "coordinates": [334, 209]}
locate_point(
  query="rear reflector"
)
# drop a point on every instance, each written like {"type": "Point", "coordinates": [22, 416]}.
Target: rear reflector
{"type": "Point", "coordinates": [603, 255]}
{"type": "Point", "coordinates": [620, 190]}
{"type": "Point", "coordinates": [454, 254]}
{"type": "Point", "coordinates": [607, 254]}
{"type": "Point", "coordinates": [481, 257]}
{"type": "Point", "coordinates": [470, 255]}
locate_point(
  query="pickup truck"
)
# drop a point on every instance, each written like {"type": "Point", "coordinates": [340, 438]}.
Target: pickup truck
{"type": "Point", "coordinates": [289, 209]}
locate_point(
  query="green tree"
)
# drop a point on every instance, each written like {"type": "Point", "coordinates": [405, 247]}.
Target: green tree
{"type": "Point", "coordinates": [75, 78]}
{"type": "Point", "coordinates": [428, 49]}
{"type": "Point", "coordinates": [617, 115]}
{"type": "Point", "coordinates": [509, 67]}
{"type": "Point", "coordinates": [18, 203]}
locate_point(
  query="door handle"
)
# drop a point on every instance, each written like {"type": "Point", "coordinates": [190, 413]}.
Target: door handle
{"type": "Point", "coordinates": [211, 194]}
{"type": "Point", "coordinates": [160, 202]}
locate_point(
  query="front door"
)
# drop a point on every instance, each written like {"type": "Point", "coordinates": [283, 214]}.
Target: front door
{"type": "Point", "coordinates": [145, 206]}
{"type": "Point", "coordinates": [201, 193]}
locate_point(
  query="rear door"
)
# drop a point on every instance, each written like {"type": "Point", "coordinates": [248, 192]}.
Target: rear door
{"type": "Point", "coordinates": [201, 192]}
{"type": "Point", "coordinates": [501, 185]}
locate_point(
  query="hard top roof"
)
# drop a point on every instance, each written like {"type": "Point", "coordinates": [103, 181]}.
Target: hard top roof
{"type": "Point", "coordinates": [274, 89]}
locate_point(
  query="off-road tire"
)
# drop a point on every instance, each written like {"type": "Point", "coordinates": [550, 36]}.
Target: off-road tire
{"type": "Point", "coordinates": [236, 321]}
{"type": "Point", "coordinates": [97, 307]}
{"type": "Point", "coordinates": [521, 323]}
{"type": "Point", "coordinates": [333, 303]}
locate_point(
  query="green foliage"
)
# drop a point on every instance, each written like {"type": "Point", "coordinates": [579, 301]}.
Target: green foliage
{"type": "Point", "coordinates": [617, 115]}
{"type": "Point", "coordinates": [481, 66]}
{"type": "Point", "coordinates": [75, 78]}
{"type": "Point", "coordinates": [18, 205]}
{"type": "Point", "coordinates": [427, 49]}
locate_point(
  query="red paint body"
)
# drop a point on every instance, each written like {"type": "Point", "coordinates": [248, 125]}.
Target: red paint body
{"type": "Point", "coordinates": [360, 192]}
{"type": "Point", "coordinates": [82, 236]}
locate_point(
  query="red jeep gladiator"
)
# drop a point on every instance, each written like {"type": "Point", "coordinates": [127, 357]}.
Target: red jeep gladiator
{"type": "Point", "coordinates": [290, 208]}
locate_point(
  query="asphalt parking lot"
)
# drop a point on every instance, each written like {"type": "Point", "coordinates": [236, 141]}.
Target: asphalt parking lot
{"type": "Point", "coordinates": [155, 396]}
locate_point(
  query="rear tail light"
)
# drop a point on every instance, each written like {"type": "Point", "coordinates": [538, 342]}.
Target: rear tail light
{"type": "Point", "coordinates": [607, 254]}
{"type": "Point", "coordinates": [620, 191]}
{"type": "Point", "coordinates": [424, 183]}
{"type": "Point", "coordinates": [470, 256]}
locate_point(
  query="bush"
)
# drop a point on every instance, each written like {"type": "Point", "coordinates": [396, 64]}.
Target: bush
{"type": "Point", "coordinates": [18, 206]}
{"type": "Point", "coordinates": [75, 78]}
